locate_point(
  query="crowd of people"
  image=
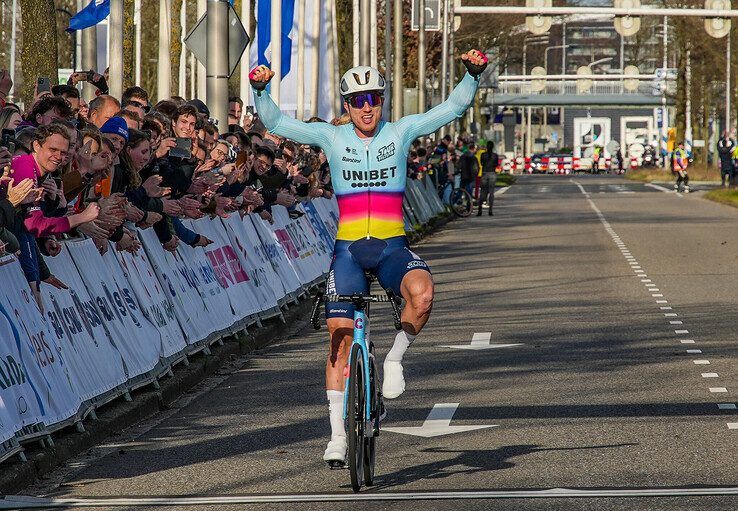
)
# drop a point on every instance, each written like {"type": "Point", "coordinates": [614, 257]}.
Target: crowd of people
{"type": "Point", "coordinates": [73, 169]}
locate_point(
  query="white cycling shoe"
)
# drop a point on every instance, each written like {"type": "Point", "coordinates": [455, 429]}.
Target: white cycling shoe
{"type": "Point", "coordinates": [393, 382]}
{"type": "Point", "coordinates": [335, 453]}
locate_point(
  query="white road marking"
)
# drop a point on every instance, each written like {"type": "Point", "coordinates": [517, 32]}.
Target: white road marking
{"type": "Point", "coordinates": [27, 502]}
{"type": "Point", "coordinates": [718, 390]}
{"type": "Point", "coordinates": [480, 341]}
{"type": "Point", "coordinates": [727, 406]}
{"type": "Point", "coordinates": [702, 362]}
{"type": "Point", "coordinates": [665, 190]}
{"type": "Point", "coordinates": [657, 295]}
{"type": "Point", "coordinates": [645, 280]}
{"type": "Point", "coordinates": [709, 375]}
{"type": "Point", "coordinates": [675, 322]}
{"type": "Point", "coordinates": [681, 331]}
{"type": "Point", "coordinates": [665, 308]}
{"type": "Point", "coordinates": [671, 314]}
{"type": "Point", "coordinates": [662, 301]}
{"type": "Point", "coordinates": [687, 341]}
{"type": "Point", "coordinates": [694, 352]}
{"type": "Point", "coordinates": [733, 425]}
{"type": "Point", "coordinates": [438, 423]}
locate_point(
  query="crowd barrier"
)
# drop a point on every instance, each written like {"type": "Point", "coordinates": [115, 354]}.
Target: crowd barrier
{"type": "Point", "coordinates": [126, 319]}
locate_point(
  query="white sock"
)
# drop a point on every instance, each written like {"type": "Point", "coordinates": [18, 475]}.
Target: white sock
{"type": "Point", "coordinates": [403, 340]}
{"type": "Point", "coordinates": [335, 408]}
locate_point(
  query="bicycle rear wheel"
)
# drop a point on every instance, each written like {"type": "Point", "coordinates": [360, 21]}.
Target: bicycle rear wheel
{"type": "Point", "coordinates": [355, 411]}
{"type": "Point", "coordinates": [461, 202]}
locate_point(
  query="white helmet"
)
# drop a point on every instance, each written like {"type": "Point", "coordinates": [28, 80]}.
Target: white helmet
{"type": "Point", "coordinates": [361, 79]}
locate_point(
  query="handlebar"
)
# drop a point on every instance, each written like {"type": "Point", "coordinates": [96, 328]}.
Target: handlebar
{"type": "Point", "coordinates": [359, 300]}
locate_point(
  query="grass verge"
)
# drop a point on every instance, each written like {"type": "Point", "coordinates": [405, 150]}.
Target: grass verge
{"type": "Point", "coordinates": [505, 179]}
{"type": "Point", "coordinates": [723, 196]}
{"type": "Point", "coordinates": [696, 173]}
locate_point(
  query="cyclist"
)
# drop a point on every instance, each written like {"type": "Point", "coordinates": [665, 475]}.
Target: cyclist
{"type": "Point", "coordinates": [367, 159]}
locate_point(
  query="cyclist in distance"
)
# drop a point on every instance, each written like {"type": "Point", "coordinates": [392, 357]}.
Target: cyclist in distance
{"type": "Point", "coordinates": [367, 159]}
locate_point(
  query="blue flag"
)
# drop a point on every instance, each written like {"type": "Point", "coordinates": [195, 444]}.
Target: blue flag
{"type": "Point", "coordinates": [264, 32]}
{"type": "Point", "coordinates": [94, 13]}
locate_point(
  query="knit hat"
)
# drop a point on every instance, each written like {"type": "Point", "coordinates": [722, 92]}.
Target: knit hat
{"type": "Point", "coordinates": [116, 126]}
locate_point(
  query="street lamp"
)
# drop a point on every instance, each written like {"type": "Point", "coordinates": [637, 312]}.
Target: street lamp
{"type": "Point", "coordinates": [557, 47]}
{"type": "Point", "coordinates": [599, 61]}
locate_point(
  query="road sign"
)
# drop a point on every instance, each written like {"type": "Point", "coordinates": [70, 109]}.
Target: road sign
{"type": "Point", "coordinates": [538, 24]}
{"type": "Point", "coordinates": [717, 27]}
{"type": "Point", "coordinates": [627, 25]}
{"type": "Point", "coordinates": [197, 40]}
{"type": "Point", "coordinates": [538, 85]}
{"type": "Point", "coordinates": [432, 16]}
{"type": "Point", "coordinates": [438, 423]}
{"type": "Point", "coordinates": [668, 73]}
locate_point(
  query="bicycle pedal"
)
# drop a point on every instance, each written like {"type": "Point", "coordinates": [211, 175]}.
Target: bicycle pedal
{"type": "Point", "coordinates": [337, 465]}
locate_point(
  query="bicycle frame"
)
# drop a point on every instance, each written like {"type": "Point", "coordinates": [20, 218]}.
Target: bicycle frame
{"type": "Point", "coordinates": [361, 330]}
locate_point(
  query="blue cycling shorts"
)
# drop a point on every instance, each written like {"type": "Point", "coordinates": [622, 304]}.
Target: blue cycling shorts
{"type": "Point", "coordinates": [389, 259]}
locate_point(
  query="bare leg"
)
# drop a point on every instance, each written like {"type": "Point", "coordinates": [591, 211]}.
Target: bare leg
{"type": "Point", "coordinates": [341, 332]}
{"type": "Point", "coordinates": [417, 290]}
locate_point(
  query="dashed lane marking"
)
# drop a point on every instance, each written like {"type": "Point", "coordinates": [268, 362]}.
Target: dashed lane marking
{"type": "Point", "coordinates": [655, 293]}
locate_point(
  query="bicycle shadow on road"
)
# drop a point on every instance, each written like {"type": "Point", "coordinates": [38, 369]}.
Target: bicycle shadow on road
{"type": "Point", "coordinates": [469, 462]}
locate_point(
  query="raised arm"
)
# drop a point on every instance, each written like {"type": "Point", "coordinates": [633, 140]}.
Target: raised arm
{"type": "Point", "coordinates": [315, 133]}
{"type": "Point", "coordinates": [414, 126]}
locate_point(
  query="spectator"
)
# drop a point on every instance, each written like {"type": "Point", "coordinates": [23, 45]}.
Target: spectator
{"type": "Point", "coordinates": [10, 117]}
{"type": "Point", "coordinates": [103, 108]}
{"type": "Point", "coordinates": [49, 109]}
{"type": "Point", "coordinates": [725, 147]}
{"type": "Point", "coordinates": [70, 94]}
{"type": "Point", "coordinates": [469, 167]}
{"type": "Point", "coordinates": [136, 98]}
{"type": "Point", "coordinates": [489, 161]}
{"type": "Point", "coordinates": [132, 119]}
{"type": "Point", "coordinates": [235, 105]}
{"type": "Point", "coordinates": [115, 129]}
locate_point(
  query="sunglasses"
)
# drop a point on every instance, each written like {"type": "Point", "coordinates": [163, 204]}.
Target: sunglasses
{"type": "Point", "coordinates": [358, 100]}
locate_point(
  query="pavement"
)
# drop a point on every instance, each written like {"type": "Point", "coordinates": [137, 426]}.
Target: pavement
{"type": "Point", "coordinates": [601, 313]}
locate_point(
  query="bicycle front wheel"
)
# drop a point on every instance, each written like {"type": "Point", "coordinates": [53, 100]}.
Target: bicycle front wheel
{"type": "Point", "coordinates": [370, 440]}
{"type": "Point", "coordinates": [461, 202]}
{"type": "Point", "coordinates": [355, 410]}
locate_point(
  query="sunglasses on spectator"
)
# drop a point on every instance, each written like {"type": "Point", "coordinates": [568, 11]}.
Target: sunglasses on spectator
{"type": "Point", "coordinates": [145, 108]}
{"type": "Point", "coordinates": [358, 100]}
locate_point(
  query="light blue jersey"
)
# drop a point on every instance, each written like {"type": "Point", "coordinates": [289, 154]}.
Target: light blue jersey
{"type": "Point", "coordinates": [369, 180]}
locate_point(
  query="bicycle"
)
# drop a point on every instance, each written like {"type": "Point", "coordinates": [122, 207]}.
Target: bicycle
{"type": "Point", "coordinates": [459, 200]}
{"type": "Point", "coordinates": [363, 407]}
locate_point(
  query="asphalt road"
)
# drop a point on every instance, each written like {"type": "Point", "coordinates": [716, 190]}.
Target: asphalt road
{"type": "Point", "coordinates": [584, 276]}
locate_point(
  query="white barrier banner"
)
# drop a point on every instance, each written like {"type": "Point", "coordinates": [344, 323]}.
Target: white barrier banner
{"type": "Point", "coordinates": [276, 254]}
{"type": "Point", "coordinates": [20, 402]}
{"type": "Point", "coordinates": [151, 297]}
{"type": "Point", "coordinates": [244, 244]}
{"type": "Point", "coordinates": [181, 283]}
{"type": "Point", "coordinates": [324, 235]}
{"type": "Point", "coordinates": [318, 236]}
{"type": "Point", "coordinates": [95, 365]}
{"type": "Point", "coordinates": [300, 252]}
{"type": "Point", "coordinates": [137, 340]}
{"type": "Point", "coordinates": [228, 268]}
{"type": "Point", "coordinates": [261, 256]}
{"type": "Point", "coordinates": [39, 355]}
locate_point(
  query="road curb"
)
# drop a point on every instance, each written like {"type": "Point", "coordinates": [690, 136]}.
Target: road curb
{"type": "Point", "coordinates": [119, 415]}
